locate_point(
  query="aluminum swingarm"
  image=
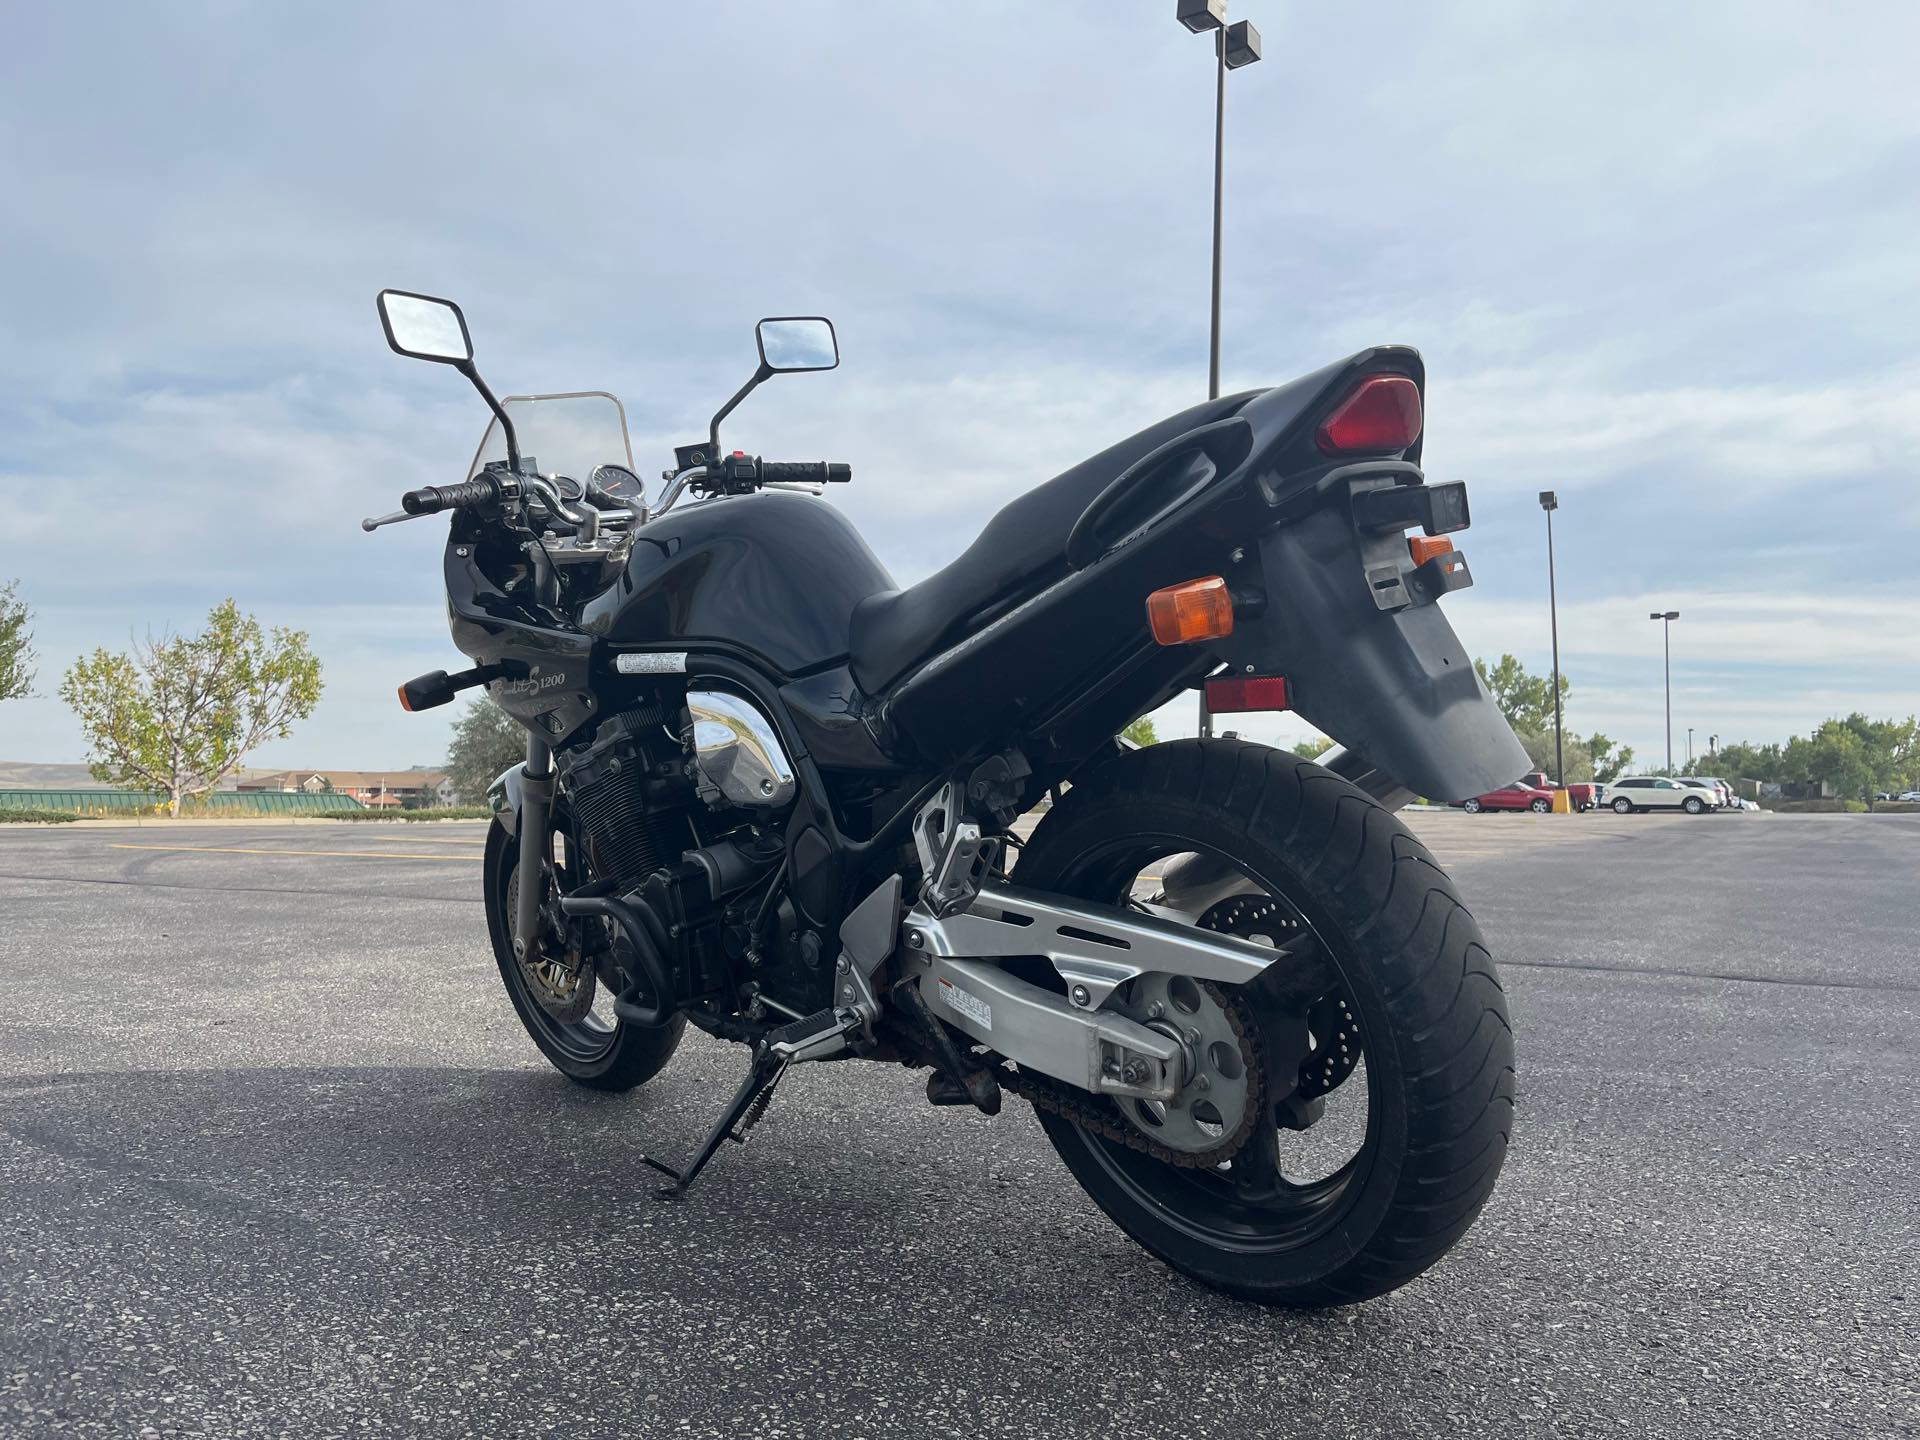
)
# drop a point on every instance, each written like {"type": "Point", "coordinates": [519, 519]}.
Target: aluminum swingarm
{"type": "Point", "coordinates": [1095, 949]}
{"type": "Point", "coordinates": [952, 961]}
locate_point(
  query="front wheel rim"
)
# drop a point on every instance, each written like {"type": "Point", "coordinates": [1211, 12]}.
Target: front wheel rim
{"type": "Point", "coordinates": [587, 1041]}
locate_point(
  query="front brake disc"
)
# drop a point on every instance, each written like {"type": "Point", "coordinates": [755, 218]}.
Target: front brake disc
{"type": "Point", "coordinates": [563, 986]}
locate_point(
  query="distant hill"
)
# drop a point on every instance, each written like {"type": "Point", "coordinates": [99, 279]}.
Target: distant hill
{"type": "Point", "coordinates": [20, 775]}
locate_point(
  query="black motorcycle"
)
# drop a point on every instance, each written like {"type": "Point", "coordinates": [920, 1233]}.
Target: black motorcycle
{"type": "Point", "coordinates": [770, 793]}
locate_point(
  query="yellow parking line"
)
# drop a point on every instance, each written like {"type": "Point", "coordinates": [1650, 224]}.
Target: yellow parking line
{"type": "Point", "coordinates": [342, 854]}
{"type": "Point", "coordinates": [446, 840]}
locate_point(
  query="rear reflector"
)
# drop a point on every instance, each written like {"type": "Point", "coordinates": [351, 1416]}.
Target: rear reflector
{"type": "Point", "coordinates": [1382, 414]}
{"type": "Point", "coordinates": [1192, 610]}
{"type": "Point", "coordinates": [1424, 547]}
{"type": "Point", "coordinates": [1247, 692]}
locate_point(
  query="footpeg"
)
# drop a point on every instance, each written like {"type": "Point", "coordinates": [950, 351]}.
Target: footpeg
{"type": "Point", "coordinates": [821, 1034]}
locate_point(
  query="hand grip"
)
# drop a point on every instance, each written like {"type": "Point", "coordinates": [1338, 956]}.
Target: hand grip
{"type": "Point", "coordinates": [804, 472]}
{"type": "Point", "coordinates": [431, 499]}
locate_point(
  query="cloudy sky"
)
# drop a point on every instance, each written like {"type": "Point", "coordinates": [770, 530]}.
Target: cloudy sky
{"type": "Point", "coordinates": [1662, 260]}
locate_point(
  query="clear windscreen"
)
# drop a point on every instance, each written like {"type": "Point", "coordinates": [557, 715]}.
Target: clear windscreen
{"type": "Point", "coordinates": [561, 434]}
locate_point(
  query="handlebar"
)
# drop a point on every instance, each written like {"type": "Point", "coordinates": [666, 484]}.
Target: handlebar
{"type": "Point", "coordinates": [431, 499]}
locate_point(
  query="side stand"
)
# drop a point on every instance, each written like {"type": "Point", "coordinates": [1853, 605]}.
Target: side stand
{"type": "Point", "coordinates": [748, 1105]}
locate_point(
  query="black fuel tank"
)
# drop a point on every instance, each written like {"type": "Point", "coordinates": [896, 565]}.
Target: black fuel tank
{"type": "Point", "coordinates": [775, 574]}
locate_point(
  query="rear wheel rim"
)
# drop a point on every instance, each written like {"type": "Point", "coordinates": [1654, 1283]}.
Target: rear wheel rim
{"type": "Point", "coordinates": [1261, 1209]}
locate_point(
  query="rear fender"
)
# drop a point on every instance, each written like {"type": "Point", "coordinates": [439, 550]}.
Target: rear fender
{"type": "Point", "coordinates": [1368, 655]}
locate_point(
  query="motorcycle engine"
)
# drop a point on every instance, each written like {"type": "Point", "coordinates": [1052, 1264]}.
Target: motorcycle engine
{"type": "Point", "coordinates": [630, 810]}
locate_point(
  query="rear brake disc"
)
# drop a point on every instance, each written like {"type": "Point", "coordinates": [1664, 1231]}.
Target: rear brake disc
{"type": "Point", "coordinates": [1333, 1047]}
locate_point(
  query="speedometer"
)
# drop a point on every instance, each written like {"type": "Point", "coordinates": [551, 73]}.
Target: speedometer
{"type": "Point", "coordinates": [619, 481]}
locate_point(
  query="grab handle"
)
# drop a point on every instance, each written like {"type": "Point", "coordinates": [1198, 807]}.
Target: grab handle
{"type": "Point", "coordinates": [1226, 443]}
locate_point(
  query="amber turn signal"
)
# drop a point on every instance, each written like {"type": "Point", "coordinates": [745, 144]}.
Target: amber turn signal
{"type": "Point", "coordinates": [1424, 547]}
{"type": "Point", "coordinates": [405, 703]}
{"type": "Point", "coordinates": [1192, 610]}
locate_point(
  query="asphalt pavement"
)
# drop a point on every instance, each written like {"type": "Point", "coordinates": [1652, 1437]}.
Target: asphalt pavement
{"type": "Point", "coordinates": [276, 1158]}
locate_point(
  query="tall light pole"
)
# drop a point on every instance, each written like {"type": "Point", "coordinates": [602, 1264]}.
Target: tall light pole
{"type": "Point", "coordinates": [1234, 46]}
{"type": "Point", "coordinates": [1689, 747]}
{"type": "Point", "coordinates": [1550, 502]}
{"type": "Point", "coordinates": [1666, 619]}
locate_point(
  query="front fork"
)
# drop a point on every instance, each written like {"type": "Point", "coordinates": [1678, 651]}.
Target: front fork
{"type": "Point", "coordinates": [536, 809]}
{"type": "Point", "coordinates": [536, 814]}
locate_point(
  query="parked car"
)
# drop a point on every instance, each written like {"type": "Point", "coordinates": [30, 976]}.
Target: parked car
{"type": "Point", "coordinates": [1517, 796]}
{"type": "Point", "coordinates": [1910, 797]}
{"type": "Point", "coordinates": [1581, 794]}
{"type": "Point", "coordinates": [1657, 792]}
{"type": "Point", "coordinates": [1726, 790]}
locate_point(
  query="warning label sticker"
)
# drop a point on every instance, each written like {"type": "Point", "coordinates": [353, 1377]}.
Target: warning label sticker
{"type": "Point", "coordinates": [962, 1003]}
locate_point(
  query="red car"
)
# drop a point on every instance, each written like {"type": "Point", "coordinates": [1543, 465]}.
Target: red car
{"type": "Point", "coordinates": [1583, 795]}
{"type": "Point", "coordinates": [1517, 796]}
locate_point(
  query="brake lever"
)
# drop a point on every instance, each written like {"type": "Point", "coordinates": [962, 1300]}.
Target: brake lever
{"type": "Point", "coordinates": [394, 519]}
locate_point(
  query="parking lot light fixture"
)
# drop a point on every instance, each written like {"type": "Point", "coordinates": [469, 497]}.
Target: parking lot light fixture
{"type": "Point", "coordinates": [1666, 619]}
{"type": "Point", "coordinates": [1200, 16]}
{"type": "Point", "coordinates": [1234, 47]}
{"type": "Point", "coordinates": [1242, 45]}
{"type": "Point", "coordinates": [1550, 502]}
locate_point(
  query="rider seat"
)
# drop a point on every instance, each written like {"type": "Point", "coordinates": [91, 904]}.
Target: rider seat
{"type": "Point", "coordinates": [1022, 549]}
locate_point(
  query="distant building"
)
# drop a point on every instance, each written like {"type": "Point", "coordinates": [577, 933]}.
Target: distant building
{"type": "Point", "coordinates": [377, 789]}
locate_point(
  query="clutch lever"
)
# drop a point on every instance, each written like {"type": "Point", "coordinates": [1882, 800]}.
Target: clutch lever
{"type": "Point", "coordinates": [394, 519]}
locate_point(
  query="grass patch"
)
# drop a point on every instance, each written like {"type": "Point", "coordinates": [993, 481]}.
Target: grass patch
{"type": "Point", "coordinates": [39, 817]}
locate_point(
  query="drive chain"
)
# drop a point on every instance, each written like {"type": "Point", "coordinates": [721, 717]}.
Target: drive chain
{"type": "Point", "coordinates": [1100, 1116]}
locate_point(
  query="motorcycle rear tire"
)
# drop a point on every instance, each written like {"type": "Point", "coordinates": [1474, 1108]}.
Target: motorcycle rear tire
{"type": "Point", "coordinates": [1433, 1018]}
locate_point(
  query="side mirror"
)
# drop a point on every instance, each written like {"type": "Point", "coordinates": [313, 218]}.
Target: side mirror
{"type": "Point", "coordinates": [788, 343]}
{"type": "Point", "coordinates": [797, 342]}
{"type": "Point", "coordinates": [425, 328]}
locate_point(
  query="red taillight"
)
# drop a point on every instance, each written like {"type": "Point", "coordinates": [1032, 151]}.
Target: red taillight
{"type": "Point", "coordinates": [1383, 413]}
{"type": "Point", "coordinates": [1233, 693]}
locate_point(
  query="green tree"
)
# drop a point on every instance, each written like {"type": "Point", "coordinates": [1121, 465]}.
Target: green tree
{"type": "Point", "coordinates": [1539, 748]}
{"type": "Point", "coordinates": [486, 741]}
{"type": "Point", "coordinates": [16, 645]}
{"type": "Point", "coordinates": [1526, 700]}
{"type": "Point", "coordinates": [179, 714]}
{"type": "Point", "coordinates": [1741, 761]}
{"type": "Point", "coordinates": [1607, 759]}
{"type": "Point", "coordinates": [1313, 749]}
